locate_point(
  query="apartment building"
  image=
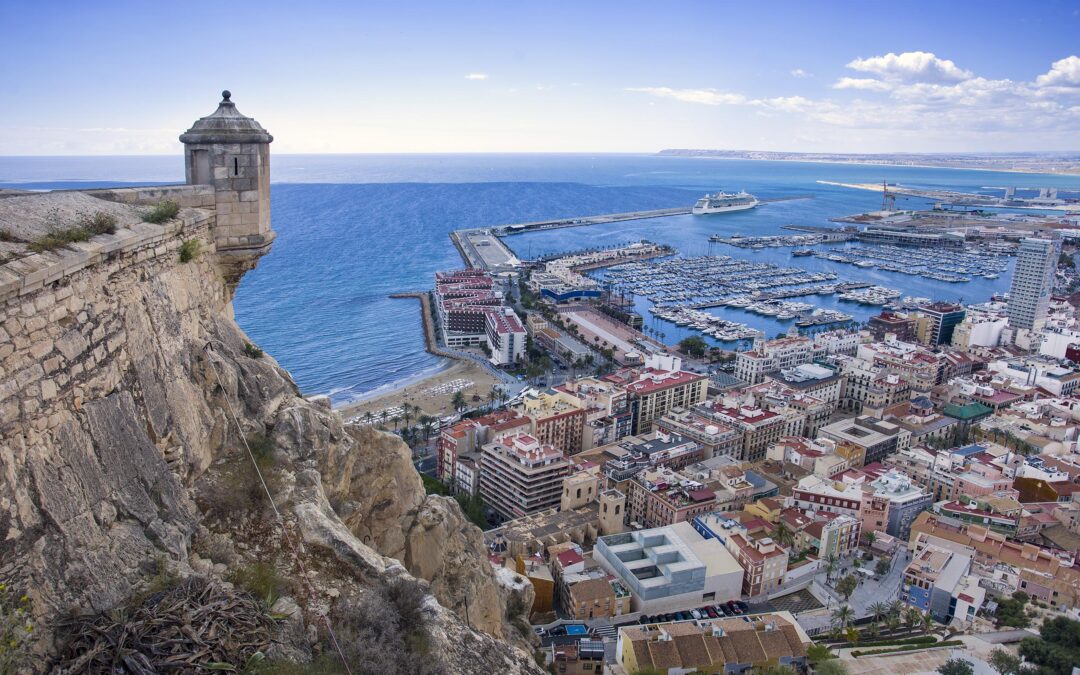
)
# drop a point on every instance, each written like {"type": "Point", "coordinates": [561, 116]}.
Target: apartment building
{"type": "Point", "coordinates": [651, 393]}
{"type": "Point", "coordinates": [759, 428]}
{"type": "Point", "coordinates": [713, 437]}
{"type": "Point", "coordinates": [519, 475]}
{"type": "Point", "coordinates": [467, 436]}
{"type": "Point", "coordinates": [558, 419]}
{"type": "Point", "coordinates": [657, 497]}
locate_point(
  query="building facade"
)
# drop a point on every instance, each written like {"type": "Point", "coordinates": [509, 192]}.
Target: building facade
{"type": "Point", "coordinates": [1032, 283]}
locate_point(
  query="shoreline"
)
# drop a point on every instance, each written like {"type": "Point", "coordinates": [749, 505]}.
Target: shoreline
{"type": "Point", "coordinates": [883, 164]}
{"type": "Point", "coordinates": [396, 386]}
{"type": "Point", "coordinates": [431, 392]}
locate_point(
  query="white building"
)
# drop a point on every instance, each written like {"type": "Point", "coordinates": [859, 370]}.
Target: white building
{"type": "Point", "coordinates": [505, 336]}
{"type": "Point", "coordinates": [670, 568]}
{"type": "Point", "coordinates": [1032, 283]}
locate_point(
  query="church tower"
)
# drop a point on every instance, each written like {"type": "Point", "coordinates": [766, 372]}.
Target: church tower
{"type": "Point", "coordinates": [231, 153]}
{"type": "Point", "coordinates": [612, 512]}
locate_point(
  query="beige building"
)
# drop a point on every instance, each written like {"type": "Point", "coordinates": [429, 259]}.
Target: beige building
{"type": "Point", "coordinates": [558, 419]}
{"type": "Point", "coordinates": [654, 393]}
{"type": "Point", "coordinates": [714, 647]}
{"type": "Point", "coordinates": [519, 475]}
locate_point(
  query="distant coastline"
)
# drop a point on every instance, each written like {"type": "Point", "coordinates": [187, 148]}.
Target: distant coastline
{"type": "Point", "coordinates": [1057, 163]}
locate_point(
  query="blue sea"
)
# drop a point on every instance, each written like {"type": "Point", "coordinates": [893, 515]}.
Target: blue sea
{"type": "Point", "coordinates": [353, 229]}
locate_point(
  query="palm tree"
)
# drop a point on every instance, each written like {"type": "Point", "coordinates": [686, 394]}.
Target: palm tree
{"type": "Point", "coordinates": [879, 610]}
{"type": "Point", "coordinates": [912, 617]}
{"type": "Point", "coordinates": [493, 396]}
{"type": "Point", "coordinates": [893, 622]}
{"type": "Point", "coordinates": [843, 616]}
{"type": "Point", "coordinates": [927, 621]}
{"type": "Point", "coordinates": [426, 426]}
{"type": "Point", "coordinates": [783, 534]}
{"type": "Point", "coordinates": [831, 563]}
{"type": "Point", "coordinates": [385, 416]}
{"type": "Point", "coordinates": [369, 417]}
{"type": "Point", "coordinates": [458, 401]}
{"type": "Point", "coordinates": [852, 635]}
{"type": "Point", "coordinates": [895, 608]}
{"type": "Point", "coordinates": [406, 412]}
{"type": "Point", "coordinates": [871, 537]}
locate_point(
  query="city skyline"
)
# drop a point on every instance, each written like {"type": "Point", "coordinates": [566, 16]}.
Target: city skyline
{"type": "Point", "coordinates": [480, 77]}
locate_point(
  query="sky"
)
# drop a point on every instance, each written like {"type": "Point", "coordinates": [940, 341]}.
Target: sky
{"type": "Point", "coordinates": [108, 78]}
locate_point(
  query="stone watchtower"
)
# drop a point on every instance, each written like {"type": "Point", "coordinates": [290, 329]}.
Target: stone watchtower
{"type": "Point", "coordinates": [231, 153]}
{"type": "Point", "coordinates": [612, 512]}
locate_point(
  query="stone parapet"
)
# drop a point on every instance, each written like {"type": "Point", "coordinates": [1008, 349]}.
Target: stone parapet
{"type": "Point", "coordinates": [187, 196]}
{"type": "Point", "coordinates": [138, 242]}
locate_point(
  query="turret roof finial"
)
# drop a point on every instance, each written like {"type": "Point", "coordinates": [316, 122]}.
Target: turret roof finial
{"type": "Point", "coordinates": [226, 125]}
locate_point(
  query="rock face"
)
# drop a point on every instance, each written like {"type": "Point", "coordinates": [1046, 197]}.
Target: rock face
{"type": "Point", "coordinates": [121, 387]}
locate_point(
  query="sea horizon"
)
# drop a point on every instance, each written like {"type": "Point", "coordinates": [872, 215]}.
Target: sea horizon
{"type": "Point", "coordinates": [354, 228]}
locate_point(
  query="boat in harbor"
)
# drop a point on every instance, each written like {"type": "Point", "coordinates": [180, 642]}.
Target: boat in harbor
{"type": "Point", "coordinates": [802, 252]}
{"type": "Point", "coordinates": [722, 202]}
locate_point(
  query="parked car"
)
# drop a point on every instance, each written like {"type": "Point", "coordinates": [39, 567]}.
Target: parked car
{"type": "Point", "coordinates": [742, 605]}
{"type": "Point", "coordinates": [695, 613]}
{"type": "Point", "coordinates": [683, 616]}
{"type": "Point", "coordinates": [644, 619]}
{"type": "Point", "coordinates": [711, 613]}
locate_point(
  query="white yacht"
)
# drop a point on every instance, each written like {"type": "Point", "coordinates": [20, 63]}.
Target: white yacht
{"type": "Point", "coordinates": [722, 202]}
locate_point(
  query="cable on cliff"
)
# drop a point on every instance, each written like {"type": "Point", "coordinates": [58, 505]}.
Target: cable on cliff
{"type": "Point", "coordinates": [209, 349]}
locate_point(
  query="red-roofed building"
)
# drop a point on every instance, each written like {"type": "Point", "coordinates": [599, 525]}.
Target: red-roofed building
{"type": "Point", "coordinates": [467, 436]}
{"type": "Point", "coordinates": [651, 393]}
{"type": "Point", "coordinates": [759, 428]}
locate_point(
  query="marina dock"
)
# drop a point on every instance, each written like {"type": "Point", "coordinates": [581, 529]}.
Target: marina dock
{"type": "Point", "coordinates": [506, 230]}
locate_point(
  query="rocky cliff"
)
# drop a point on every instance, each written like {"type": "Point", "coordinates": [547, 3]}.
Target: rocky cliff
{"type": "Point", "coordinates": [129, 403]}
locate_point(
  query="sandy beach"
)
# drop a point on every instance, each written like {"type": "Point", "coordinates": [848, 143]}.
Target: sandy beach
{"type": "Point", "coordinates": [433, 393]}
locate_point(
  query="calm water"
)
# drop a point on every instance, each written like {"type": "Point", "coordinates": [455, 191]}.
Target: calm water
{"type": "Point", "coordinates": [354, 228]}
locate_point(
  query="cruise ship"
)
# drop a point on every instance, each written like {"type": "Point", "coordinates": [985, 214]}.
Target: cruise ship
{"type": "Point", "coordinates": [722, 202]}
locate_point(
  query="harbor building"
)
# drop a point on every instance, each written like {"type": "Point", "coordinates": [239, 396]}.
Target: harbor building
{"type": "Point", "coordinates": [519, 475]}
{"type": "Point", "coordinates": [670, 568]}
{"type": "Point", "coordinates": [470, 311]}
{"type": "Point", "coordinates": [1032, 283]}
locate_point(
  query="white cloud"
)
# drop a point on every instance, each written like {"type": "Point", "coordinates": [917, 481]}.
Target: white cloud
{"type": "Point", "coordinates": [704, 96]}
{"type": "Point", "coordinates": [799, 72]}
{"type": "Point", "coordinates": [861, 83]}
{"type": "Point", "coordinates": [911, 67]}
{"type": "Point", "coordinates": [1063, 73]}
{"type": "Point", "coordinates": [476, 76]}
{"type": "Point", "coordinates": [785, 103]}
{"type": "Point", "coordinates": [918, 92]}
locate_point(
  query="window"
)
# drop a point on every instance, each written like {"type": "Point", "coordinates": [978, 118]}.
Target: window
{"type": "Point", "coordinates": [236, 166]}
